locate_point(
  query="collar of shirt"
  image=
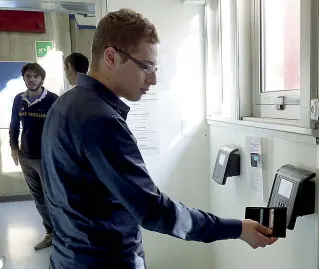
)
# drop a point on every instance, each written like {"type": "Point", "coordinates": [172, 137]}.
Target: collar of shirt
{"type": "Point", "coordinates": [42, 96]}
{"type": "Point", "coordinates": [106, 94]}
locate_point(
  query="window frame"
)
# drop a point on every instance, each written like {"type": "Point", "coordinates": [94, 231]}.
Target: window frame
{"type": "Point", "coordinates": [213, 64]}
{"type": "Point", "coordinates": [297, 101]}
{"type": "Point", "coordinates": [244, 105]}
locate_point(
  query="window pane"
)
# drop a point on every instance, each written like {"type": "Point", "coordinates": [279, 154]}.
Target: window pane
{"type": "Point", "coordinates": [226, 57]}
{"type": "Point", "coordinates": [280, 33]}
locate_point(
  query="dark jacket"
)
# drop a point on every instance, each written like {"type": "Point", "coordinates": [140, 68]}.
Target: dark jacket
{"type": "Point", "coordinates": [32, 117]}
{"type": "Point", "coordinates": [99, 190]}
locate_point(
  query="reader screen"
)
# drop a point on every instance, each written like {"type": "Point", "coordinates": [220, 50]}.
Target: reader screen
{"type": "Point", "coordinates": [222, 159]}
{"type": "Point", "coordinates": [285, 188]}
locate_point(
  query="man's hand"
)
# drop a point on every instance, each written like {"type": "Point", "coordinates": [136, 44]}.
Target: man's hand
{"type": "Point", "coordinates": [254, 234]}
{"type": "Point", "coordinates": [15, 156]}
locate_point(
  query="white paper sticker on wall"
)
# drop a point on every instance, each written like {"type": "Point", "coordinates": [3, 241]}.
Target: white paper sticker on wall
{"type": "Point", "coordinates": [143, 120]}
{"type": "Point", "coordinates": [255, 172]}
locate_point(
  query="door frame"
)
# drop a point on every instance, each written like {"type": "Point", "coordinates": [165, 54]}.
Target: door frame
{"type": "Point", "coordinates": [100, 7]}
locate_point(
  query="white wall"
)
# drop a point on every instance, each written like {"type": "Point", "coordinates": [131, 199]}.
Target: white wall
{"type": "Point", "coordinates": [300, 248]}
{"type": "Point", "coordinates": [182, 169]}
{"type": "Point", "coordinates": [81, 39]}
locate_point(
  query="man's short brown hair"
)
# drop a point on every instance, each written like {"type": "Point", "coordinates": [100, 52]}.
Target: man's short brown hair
{"type": "Point", "coordinates": [35, 67]}
{"type": "Point", "coordinates": [124, 30]}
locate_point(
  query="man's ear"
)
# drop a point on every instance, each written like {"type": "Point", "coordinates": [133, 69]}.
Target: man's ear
{"type": "Point", "coordinates": [69, 66]}
{"type": "Point", "coordinates": [110, 57]}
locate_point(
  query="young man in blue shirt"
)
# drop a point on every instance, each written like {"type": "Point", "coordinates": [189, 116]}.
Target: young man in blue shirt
{"type": "Point", "coordinates": [99, 190]}
{"type": "Point", "coordinates": [30, 108]}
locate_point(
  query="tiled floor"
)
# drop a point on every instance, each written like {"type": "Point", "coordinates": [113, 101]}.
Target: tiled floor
{"type": "Point", "coordinates": [20, 230]}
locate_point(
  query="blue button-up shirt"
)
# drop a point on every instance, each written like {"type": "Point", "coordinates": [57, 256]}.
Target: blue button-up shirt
{"type": "Point", "coordinates": [99, 190]}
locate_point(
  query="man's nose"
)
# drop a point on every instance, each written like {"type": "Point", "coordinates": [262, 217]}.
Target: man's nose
{"type": "Point", "coordinates": [152, 79]}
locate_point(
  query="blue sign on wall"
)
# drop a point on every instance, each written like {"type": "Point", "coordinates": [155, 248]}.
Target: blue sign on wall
{"type": "Point", "coordinates": [11, 84]}
{"type": "Point", "coordinates": [9, 71]}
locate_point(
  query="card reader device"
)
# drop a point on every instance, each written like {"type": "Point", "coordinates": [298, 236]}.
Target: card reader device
{"type": "Point", "coordinates": [227, 164]}
{"type": "Point", "coordinates": [293, 189]}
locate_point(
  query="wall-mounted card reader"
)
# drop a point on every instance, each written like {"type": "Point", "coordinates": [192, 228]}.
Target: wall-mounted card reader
{"type": "Point", "coordinates": [227, 164]}
{"type": "Point", "coordinates": [293, 189]}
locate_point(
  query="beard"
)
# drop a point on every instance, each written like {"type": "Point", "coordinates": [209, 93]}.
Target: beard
{"type": "Point", "coordinates": [33, 86]}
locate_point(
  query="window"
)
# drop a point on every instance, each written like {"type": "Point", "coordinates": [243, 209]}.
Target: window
{"type": "Point", "coordinates": [280, 22]}
{"type": "Point", "coordinates": [228, 56]}
{"type": "Point", "coordinates": [276, 59]}
{"type": "Point", "coordinates": [262, 60]}
{"type": "Point", "coordinates": [221, 56]}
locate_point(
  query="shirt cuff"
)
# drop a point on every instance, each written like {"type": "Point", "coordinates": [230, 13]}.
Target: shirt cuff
{"type": "Point", "coordinates": [232, 229]}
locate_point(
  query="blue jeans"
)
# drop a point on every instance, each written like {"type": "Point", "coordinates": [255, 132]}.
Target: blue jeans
{"type": "Point", "coordinates": [32, 172]}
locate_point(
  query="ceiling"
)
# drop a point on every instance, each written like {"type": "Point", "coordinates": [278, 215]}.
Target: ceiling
{"type": "Point", "coordinates": [50, 6]}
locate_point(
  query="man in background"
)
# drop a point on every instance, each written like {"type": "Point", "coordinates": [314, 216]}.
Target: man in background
{"type": "Point", "coordinates": [74, 64]}
{"type": "Point", "coordinates": [30, 108]}
{"type": "Point", "coordinates": [99, 190]}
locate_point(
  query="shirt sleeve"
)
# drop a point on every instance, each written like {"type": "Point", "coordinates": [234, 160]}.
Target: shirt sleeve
{"type": "Point", "coordinates": [14, 130]}
{"type": "Point", "coordinates": [117, 162]}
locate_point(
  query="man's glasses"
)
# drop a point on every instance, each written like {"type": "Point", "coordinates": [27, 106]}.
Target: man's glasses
{"type": "Point", "coordinates": [148, 68]}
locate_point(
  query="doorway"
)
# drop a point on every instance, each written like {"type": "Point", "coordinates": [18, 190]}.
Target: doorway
{"type": "Point", "coordinates": [44, 32]}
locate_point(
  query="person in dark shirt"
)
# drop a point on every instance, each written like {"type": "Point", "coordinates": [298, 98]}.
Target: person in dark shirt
{"type": "Point", "coordinates": [30, 108]}
{"type": "Point", "coordinates": [74, 64]}
{"type": "Point", "coordinates": [100, 193]}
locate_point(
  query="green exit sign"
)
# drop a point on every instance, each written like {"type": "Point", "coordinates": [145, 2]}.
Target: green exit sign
{"type": "Point", "coordinates": [42, 48]}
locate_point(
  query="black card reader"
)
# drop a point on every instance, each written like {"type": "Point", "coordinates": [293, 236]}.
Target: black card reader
{"type": "Point", "coordinates": [293, 189]}
{"type": "Point", "coordinates": [227, 164]}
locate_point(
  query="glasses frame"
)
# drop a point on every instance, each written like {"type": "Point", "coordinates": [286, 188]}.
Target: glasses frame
{"type": "Point", "coordinates": [147, 68]}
